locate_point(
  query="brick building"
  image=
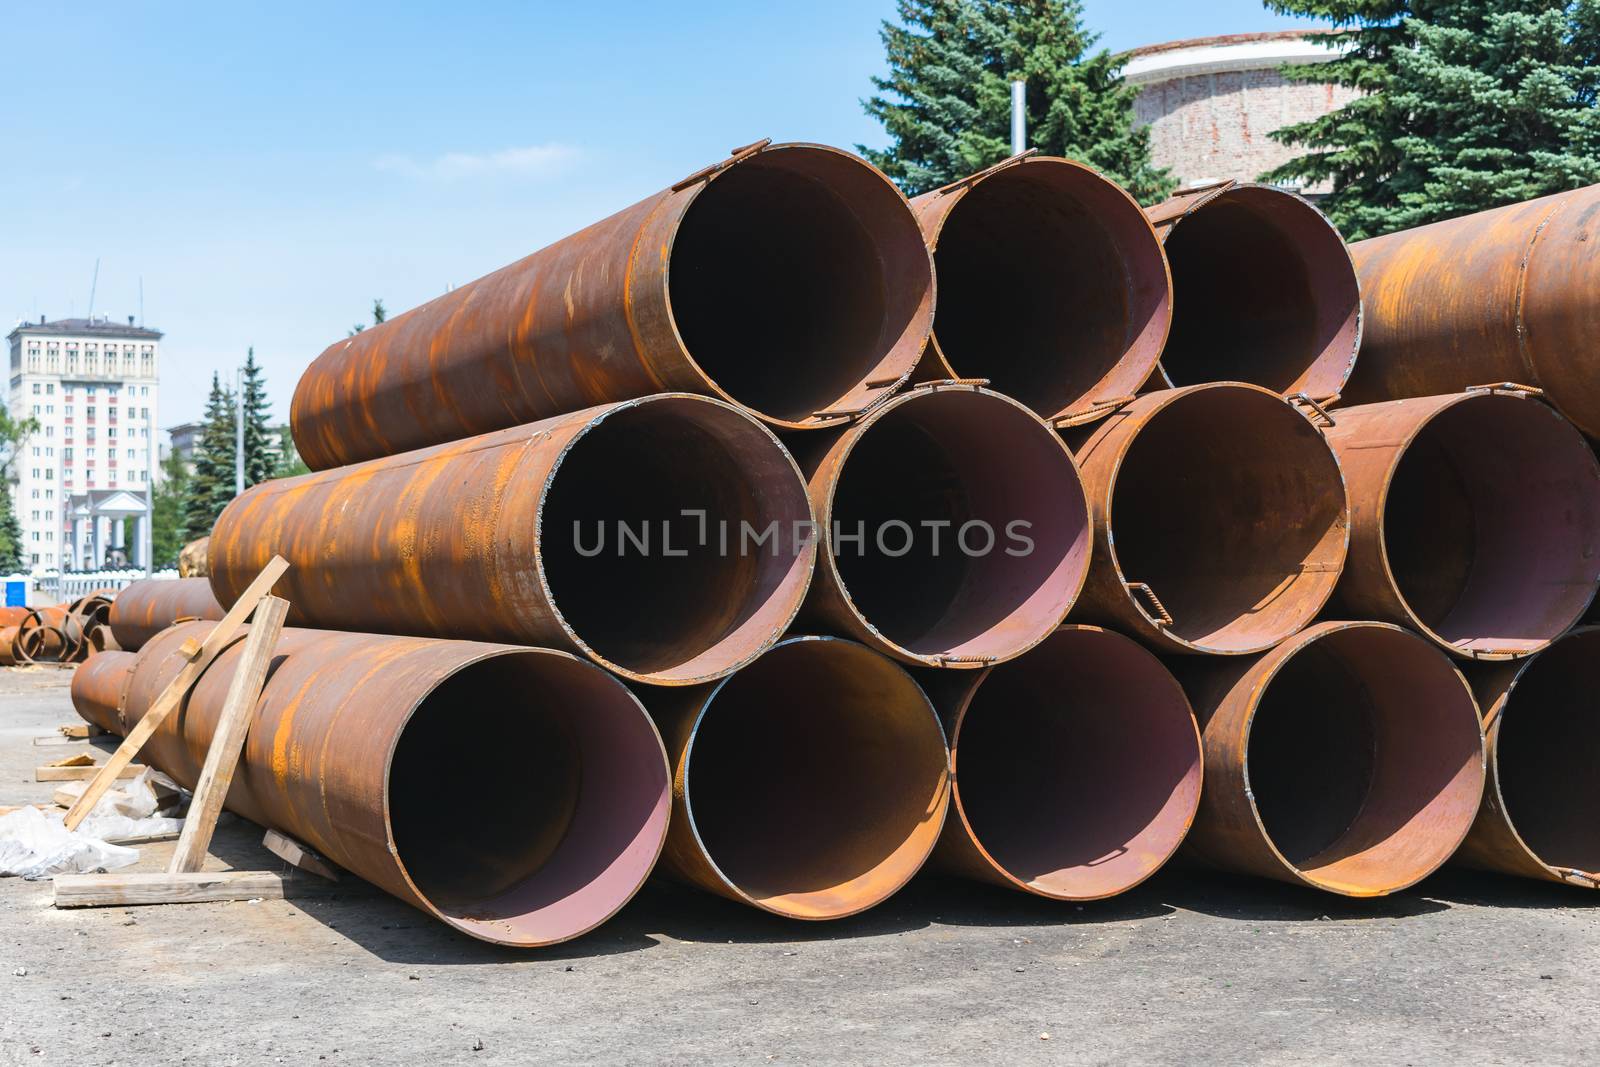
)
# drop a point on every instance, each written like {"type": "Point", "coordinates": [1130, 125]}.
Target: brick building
{"type": "Point", "coordinates": [1210, 102]}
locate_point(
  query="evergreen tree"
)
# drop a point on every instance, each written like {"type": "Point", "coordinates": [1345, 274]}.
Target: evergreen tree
{"type": "Point", "coordinates": [289, 462]}
{"type": "Point", "coordinates": [379, 313]}
{"type": "Point", "coordinates": [212, 485]}
{"type": "Point", "coordinates": [167, 511]}
{"type": "Point", "coordinates": [260, 462]}
{"type": "Point", "coordinates": [13, 432]}
{"type": "Point", "coordinates": [947, 100]}
{"type": "Point", "coordinates": [1469, 104]}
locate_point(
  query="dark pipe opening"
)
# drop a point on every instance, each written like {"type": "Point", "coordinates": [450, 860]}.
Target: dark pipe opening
{"type": "Point", "coordinates": [940, 463]}
{"type": "Point", "coordinates": [1491, 525]}
{"type": "Point", "coordinates": [1365, 760]}
{"type": "Point", "coordinates": [657, 592]}
{"type": "Point", "coordinates": [1077, 766]}
{"type": "Point", "coordinates": [1547, 750]}
{"type": "Point", "coordinates": [1052, 286]}
{"type": "Point", "coordinates": [1263, 292]}
{"type": "Point", "coordinates": [555, 848]}
{"type": "Point", "coordinates": [816, 779]}
{"type": "Point", "coordinates": [798, 275]}
{"type": "Point", "coordinates": [1231, 507]}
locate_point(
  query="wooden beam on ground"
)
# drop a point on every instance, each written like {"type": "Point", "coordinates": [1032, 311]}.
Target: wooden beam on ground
{"type": "Point", "coordinates": [172, 696]}
{"type": "Point", "coordinates": [295, 854]}
{"type": "Point", "coordinates": [161, 887]}
{"type": "Point", "coordinates": [222, 757]}
{"type": "Point", "coordinates": [49, 773]}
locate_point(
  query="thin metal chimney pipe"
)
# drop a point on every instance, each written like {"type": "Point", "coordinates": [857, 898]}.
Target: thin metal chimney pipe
{"type": "Point", "coordinates": [1019, 117]}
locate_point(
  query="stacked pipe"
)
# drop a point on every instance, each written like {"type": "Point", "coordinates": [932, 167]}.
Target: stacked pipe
{"type": "Point", "coordinates": [1025, 586]}
{"type": "Point", "coordinates": [62, 633]}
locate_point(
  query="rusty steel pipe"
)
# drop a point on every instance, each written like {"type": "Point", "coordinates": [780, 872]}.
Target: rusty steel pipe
{"type": "Point", "coordinates": [514, 536]}
{"type": "Point", "coordinates": [812, 784]}
{"type": "Point", "coordinates": [1505, 295]}
{"type": "Point", "coordinates": [1075, 770]}
{"type": "Point", "coordinates": [1052, 285]}
{"type": "Point", "coordinates": [1220, 519]}
{"type": "Point", "coordinates": [1349, 758]}
{"type": "Point", "coordinates": [918, 505]}
{"type": "Point", "coordinates": [145, 608]}
{"type": "Point", "coordinates": [97, 688]}
{"type": "Point", "coordinates": [1537, 818]}
{"type": "Point", "coordinates": [1263, 292]}
{"type": "Point", "coordinates": [364, 746]}
{"type": "Point", "coordinates": [791, 279]}
{"type": "Point", "coordinates": [8, 645]}
{"type": "Point", "coordinates": [42, 637]}
{"type": "Point", "coordinates": [12, 616]}
{"type": "Point", "coordinates": [1475, 519]}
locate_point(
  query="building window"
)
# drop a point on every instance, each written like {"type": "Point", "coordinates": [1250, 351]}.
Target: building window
{"type": "Point", "coordinates": [50, 388]}
{"type": "Point", "coordinates": [35, 388]}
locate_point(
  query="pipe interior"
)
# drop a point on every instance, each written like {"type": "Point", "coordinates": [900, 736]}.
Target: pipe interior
{"type": "Point", "coordinates": [1077, 766]}
{"type": "Point", "coordinates": [1052, 286]}
{"type": "Point", "coordinates": [557, 845]}
{"type": "Point", "coordinates": [1231, 507]}
{"type": "Point", "coordinates": [795, 277]}
{"type": "Point", "coordinates": [1491, 525]}
{"type": "Point", "coordinates": [650, 588]}
{"type": "Point", "coordinates": [816, 779]}
{"type": "Point", "coordinates": [1548, 747]}
{"type": "Point", "coordinates": [1365, 760]}
{"type": "Point", "coordinates": [916, 478]}
{"type": "Point", "coordinates": [1263, 292]}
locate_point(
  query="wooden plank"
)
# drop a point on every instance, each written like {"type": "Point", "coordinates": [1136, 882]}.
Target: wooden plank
{"type": "Point", "coordinates": [56, 739]}
{"type": "Point", "coordinates": [78, 759]}
{"type": "Point", "coordinates": [49, 773]}
{"type": "Point", "coordinates": [161, 887]}
{"type": "Point", "coordinates": [295, 854]}
{"type": "Point", "coordinates": [80, 730]}
{"type": "Point", "coordinates": [227, 742]}
{"type": "Point", "coordinates": [172, 696]}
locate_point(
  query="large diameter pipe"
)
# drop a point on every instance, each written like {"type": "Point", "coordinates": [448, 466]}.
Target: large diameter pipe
{"type": "Point", "coordinates": [1537, 818]}
{"type": "Point", "coordinates": [364, 747]}
{"type": "Point", "coordinates": [8, 645]}
{"type": "Point", "coordinates": [1349, 759]}
{"type": "Point", "coordinates": [145, 608]}
{"type": "Point", "coordinates": [812, 784]}
{"type": "Point", "coordinates": [953, 524]}
{"type": "Point", "coordinates": [1075, 769]}
{"type": "Point", "coordinates": [1052, 285]}
{"type": "Point", "coordinates": [98, 685]}
{"type": "Point", "coordinates": [1220, 520]}
{"type": "Point", "coordinates": [1505, 295]}
{"type": "Point", "coordinates": [668, 539]}
{"type": "Point", "coordinates": [791, 279]}
{"type": "Point", "coordinates": [1263, 292]}
{"type": "Point", "coordinates": [1475, 519]}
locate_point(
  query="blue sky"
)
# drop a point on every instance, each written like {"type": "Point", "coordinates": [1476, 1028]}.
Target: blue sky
{"type": "Point", "coordinates": [268, 169]}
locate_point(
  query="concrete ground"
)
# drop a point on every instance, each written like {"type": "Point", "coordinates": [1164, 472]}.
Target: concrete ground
{"type": "Point", "coordinates": [1189, 968]}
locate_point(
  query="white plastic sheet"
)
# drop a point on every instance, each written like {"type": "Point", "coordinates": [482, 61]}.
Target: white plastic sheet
{"type": "Point", "coordinates": [36, 844]}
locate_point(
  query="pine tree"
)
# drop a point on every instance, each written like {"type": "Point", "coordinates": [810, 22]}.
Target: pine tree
{"type": "Point", "coordinates": [10, 533]}
{"type": "Point", "coordinates": [166, 524]}
{"type": "Point", "coordinates": [1469, 104]}
{"type": "Point", "coordinates": [946, 103]}
{"type": "Point", "coordinates": [260, 461]}
{"type": "Point", "coordinates": [290, 464]}
{"type": "Point", "coordinates": [212, 485]}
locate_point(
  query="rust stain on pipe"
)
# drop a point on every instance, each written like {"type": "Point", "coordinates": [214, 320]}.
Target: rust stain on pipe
{"type": "Point", "coordinates": [1349, 758]}
{"type": "Point", "coordinates": [494, 538]}
{"type": "Point", "coordinates": [1537, 818]}
{"type": "Point", "coordinates": [792, 280]}
{"type": "Point", "coordinates": [362, 746]}
{"type": "Point", "coordinates": [1220, 519]}
{"type": "Point", "coordinates": [1475, 519]}
{"type": "Point", "coordinates": [145, 608]}
{"type": "Point", "coordinates": [1052, 285]}
{"type": "Point", "coordinates": [1506, 295]}
{"type": "Point", "coordinates": [916, 504]}
{"type": "Point", "coordinates": [97, 688]}
{"type": "Point", "coordinates": [1075, 769]}
{"type": "Point", "coordinates": [1263, 292]}
{"type": "Point", "coordinates": [812, 784]}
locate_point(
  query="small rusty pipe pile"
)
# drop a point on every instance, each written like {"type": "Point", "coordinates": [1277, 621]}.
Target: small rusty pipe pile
{"type": "Point", "coordinates": [144, 608]}
{"type": "Point", "coordinates": [1263, 292]}
{"type": "Point", "coordinates": [1052, 286]}
{"type": "Point", "coordinates": [362, 746]}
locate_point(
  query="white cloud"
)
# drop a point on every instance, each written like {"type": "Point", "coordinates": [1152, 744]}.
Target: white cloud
{"type": "Point", "coordinates": [533, 161]}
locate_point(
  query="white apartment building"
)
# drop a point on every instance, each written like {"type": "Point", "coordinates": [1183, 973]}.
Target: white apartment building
{"type": "Point", "coordinates": [80, 485]}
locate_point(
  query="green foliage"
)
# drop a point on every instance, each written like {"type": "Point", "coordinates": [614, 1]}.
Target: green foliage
{"type": "Point", "coordinates": [260, 461]}
{"type": "Point", "coordinates": [289, 462]}
{"type": "Point", "coordinates": [10, 533]}
{"type": "Point", "coordinates": [946, 103]}
{"type": "Point", "coordinates": [166, 525]}
{"type": "Point", "coordinates": [212, 485]}
{"type": "Point", "coordinates": [1469, 104]}
{"type": "Point", "coordinates": [379, 313]}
